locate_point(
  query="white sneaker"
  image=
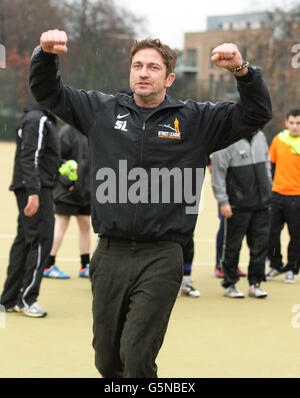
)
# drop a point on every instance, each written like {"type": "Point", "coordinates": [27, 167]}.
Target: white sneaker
{"type": "Point", "coordinates": [256, 291]}
{"type": "Point", "coordinates": [34, 311]}
{"type": "Point", "coordinates": [233, 292]}
{"type": "Point", "coordinates": [272, 273]}
{"type": "Point", "coordinates": [15, 308]}
{"type": "Point", "coordinates": [289, 277]}
{"type": "Point", "coordinates": [187, 289]}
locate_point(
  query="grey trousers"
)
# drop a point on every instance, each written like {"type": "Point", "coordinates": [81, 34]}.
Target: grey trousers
{"type": "Point", "coordinates": [134, 288]}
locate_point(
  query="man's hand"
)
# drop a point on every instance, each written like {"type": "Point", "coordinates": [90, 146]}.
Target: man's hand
{"type": "Point", "coordinates": [228, 56]}
{"type": "Point", "coordinates": [32, 206]}
{"type": "Point", "coordinates": [226, 211]}
{"type": "Point", "coordinates": [54, 42]}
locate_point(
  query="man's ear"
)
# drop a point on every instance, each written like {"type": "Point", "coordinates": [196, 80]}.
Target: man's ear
{"type": "Point", "coordinates": [170, 80]}
{"type": "Point", "coordinates": [286, 124]}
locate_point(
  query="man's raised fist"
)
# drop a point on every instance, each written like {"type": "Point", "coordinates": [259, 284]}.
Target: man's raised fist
{"type": "Point", "coordinates": [54, 42]}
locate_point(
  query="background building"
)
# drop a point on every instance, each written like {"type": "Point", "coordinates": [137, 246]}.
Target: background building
{"type": "Point", "coordinates": [266, 41]}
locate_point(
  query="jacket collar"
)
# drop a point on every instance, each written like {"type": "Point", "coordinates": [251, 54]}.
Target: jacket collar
{"type": "Point", "coordinates": [128, 101]}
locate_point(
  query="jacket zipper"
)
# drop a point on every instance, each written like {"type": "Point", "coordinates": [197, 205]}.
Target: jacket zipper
{"type": "Point", "coordinates": [141, 158]}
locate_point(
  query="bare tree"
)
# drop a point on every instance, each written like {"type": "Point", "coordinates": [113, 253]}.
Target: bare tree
{"type": "Point", "coordinates": [100, 36]}
{"type": "Point", "coordinates": [24, 20]}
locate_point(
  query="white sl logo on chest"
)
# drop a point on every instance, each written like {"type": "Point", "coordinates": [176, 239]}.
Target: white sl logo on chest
{"type": "Point", "coordinates": [121, 124]}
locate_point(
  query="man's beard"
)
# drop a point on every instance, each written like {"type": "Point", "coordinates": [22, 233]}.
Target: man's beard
{"type": "Point", "coordinates": [145, 97]}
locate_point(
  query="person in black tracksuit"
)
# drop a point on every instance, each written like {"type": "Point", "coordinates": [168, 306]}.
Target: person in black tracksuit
{"type": "Point", "coordinates": [186, 288]}
{"type": "Point", "coordinates": [242, 184]}
{"type": "Point", "coordinates": [72, 199]}
{"type": "Point", "coordinates": [35, 172]}
{"type": "Point", "coordinates": [137, 268]}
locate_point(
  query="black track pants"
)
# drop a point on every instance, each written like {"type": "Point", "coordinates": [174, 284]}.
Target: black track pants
{"type": "Point", "coordinates": [285, 209]}
{"type": "Point", "coordinates": [29, 252]}
{"type": "Point", "coordinates": [255, 226]}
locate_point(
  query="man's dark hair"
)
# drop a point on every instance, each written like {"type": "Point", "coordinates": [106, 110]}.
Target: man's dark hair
{"type": "Point", "coordinates": [35, 106]}
{"type": "Point", "coordinates": [169, 55]}
{"type": "Point", "coordinates": [293, 112]}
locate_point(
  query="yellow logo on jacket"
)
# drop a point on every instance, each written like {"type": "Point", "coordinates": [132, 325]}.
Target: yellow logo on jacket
{"type": "Point", "coordinates": [174, 132]}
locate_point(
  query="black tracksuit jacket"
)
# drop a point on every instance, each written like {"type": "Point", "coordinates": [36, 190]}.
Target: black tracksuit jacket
{"type": "Point", "coordinates": [144, 142]}
{"type": "Point", "coordinates": [37, 157]}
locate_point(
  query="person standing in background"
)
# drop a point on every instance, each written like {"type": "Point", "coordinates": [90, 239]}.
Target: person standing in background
{"type": "Point", "coordinates": [219, 240]}
{"type": "Point", "coordinates": [72, 198]}
{"type": "Point", "coordinates": [186, 288]}
{"type": "Point", "coordinates": [285, 160]}
{"type": "Point", "coordinates": [242, 181]}
{"type": "Point", "coordinates": [36, 167]}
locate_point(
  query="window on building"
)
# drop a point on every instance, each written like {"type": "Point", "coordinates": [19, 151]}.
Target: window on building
{"type": "Point", "coordinates": [191, 57]}
{"type": "Point", "coordinates": [221, 82]}
{"type": "Point", "coordinates": [211, 64]}
{"type": "Point", "coordinates": [231, 91]}
{"type": "Point", "coordinates": [190, 79]}
{"type": "Point", "coordinates": [256, 25]}
{"type": "Point", "coordinates": [239, 25]}
{"type": "Point", "coordinates": [220, 87]}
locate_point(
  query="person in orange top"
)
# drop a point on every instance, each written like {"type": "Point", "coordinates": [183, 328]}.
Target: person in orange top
{"type": "Point", "coordinates": [285, 159]}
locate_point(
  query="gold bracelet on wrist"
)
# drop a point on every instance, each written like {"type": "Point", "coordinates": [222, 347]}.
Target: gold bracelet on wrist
{"type": "Point", "coordinates": [244, 65]}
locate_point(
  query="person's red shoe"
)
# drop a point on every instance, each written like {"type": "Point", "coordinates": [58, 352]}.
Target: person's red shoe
{"type": "Point", "coordinates": [219, 272]}
{"type": "Point", "coordinates": [241, 273]}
